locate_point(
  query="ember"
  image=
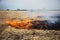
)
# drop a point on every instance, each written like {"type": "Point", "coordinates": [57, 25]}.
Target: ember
{"type": "Point", "coordinates": [27, 24]}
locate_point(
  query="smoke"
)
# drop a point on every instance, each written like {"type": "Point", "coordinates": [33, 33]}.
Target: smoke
{"type": "Point", "coordinates": [54, 19]}
{"type": "Point", "coordinates": [51, 16]}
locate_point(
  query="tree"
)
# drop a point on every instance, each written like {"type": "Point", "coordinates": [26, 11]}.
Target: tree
{"type": "Point", "coordinates": [7, 9]}
{"type": "Point", "coordinates": [18, 9]}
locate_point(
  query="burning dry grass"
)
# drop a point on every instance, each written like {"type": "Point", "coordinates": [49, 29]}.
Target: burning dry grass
{"type": "Point", "coordinates": [20, 24]}
{"type": "Point", "coordinates": [27, 24]}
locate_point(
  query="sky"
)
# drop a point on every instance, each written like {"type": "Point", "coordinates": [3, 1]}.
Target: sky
{"type": "Point", "coordinates": [29, 4]}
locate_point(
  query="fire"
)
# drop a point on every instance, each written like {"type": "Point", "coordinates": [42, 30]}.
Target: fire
{"type": "Point", "coordinates": [27, 24]}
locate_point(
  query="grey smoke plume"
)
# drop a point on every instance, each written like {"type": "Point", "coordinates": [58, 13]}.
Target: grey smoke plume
{"type": "Point", "coordinates": [54, 18]}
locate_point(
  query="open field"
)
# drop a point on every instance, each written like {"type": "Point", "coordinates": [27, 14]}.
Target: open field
{"type": "Point", "coordinates": [11, 15]}
{"type": "Point", "coordinates": [26, 15]}
{"type": "Point", "coordinates": [9, 33]}
{"type": "Point", "coordinates": [23, 34]}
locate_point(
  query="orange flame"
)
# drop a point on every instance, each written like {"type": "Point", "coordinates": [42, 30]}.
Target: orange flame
{"type": "Point", "coordinates": [27, 24]}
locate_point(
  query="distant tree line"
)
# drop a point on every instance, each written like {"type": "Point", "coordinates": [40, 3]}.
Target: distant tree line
{"type": "Point", "coordinates": [18, 10]}
{"type": "Point", "coordinates": [33, 10]}
{"type": "Point", "coordinates": [22, 10]}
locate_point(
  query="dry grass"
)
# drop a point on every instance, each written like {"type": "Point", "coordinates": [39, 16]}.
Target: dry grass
{"type": "Point", "coordinates": [9, 33]}
{"type": "Point", "coordinates": [24, 34]}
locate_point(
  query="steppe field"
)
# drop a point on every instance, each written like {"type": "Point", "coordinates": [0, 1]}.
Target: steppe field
{"type": "Point", "coordinates": [26, 15]}
{"type": "Point", "coordinates": [11, 15]}
{"type": "Point", "coordinates": [9, 33]}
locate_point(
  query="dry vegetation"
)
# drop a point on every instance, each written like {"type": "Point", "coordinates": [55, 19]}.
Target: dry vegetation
{"type": "Point", "coordinates": [15, 15]}
{"type": "Point", "coordinates": [9, 33]}
{"type": "Point", "coordinates": [25, 34]}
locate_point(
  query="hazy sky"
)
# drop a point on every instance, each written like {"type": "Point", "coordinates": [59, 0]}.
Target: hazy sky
{"type": "Point", "coordinates": [29, 4]}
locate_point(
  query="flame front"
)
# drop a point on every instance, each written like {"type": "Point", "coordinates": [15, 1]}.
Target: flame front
{"type": "Point", "coordinates": [27, 24]}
